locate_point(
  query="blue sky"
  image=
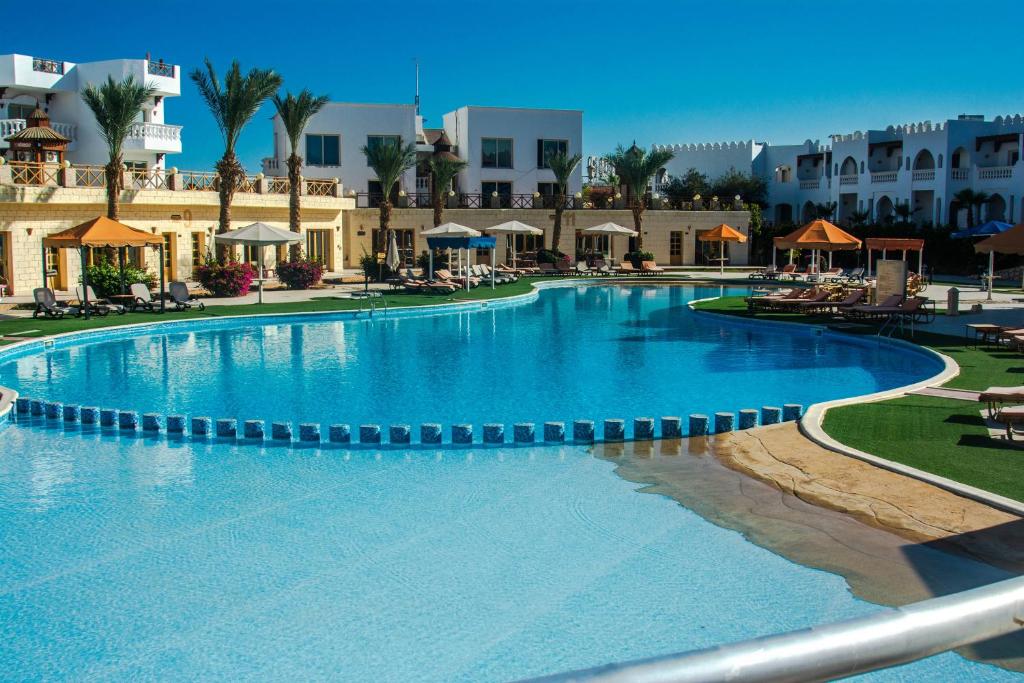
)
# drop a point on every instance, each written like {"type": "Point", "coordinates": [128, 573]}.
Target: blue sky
{"type": "Point", "coordinates": [655, 72]}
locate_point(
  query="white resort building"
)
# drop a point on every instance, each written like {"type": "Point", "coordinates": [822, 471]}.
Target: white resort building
{"type": "Point", "coordinates": [54, 86]}
{"type": "Point", "coordinates": [922, 165]}
{"type": "Point", "coordinates": [505, 148]}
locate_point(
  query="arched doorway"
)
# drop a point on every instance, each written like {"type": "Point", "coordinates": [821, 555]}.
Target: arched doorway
{"type": "Point", "coordinates": [884, 209]}
{"type": "Point", "coordinates": [808, 213]}
{"type": "Point", "coordinates": [783, 214]}
{"type": "Point", "coordinates": [924, 161]}
{"type": "Point", "coordinates": [960, 158]}
{"type": "Point", "coordinates": [849, 167]}
{"type": "Point", "coordinates": [996, 208]}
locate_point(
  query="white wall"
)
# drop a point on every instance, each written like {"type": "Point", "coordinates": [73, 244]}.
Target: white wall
{"type": "Point", "coordinates": [466, 126]}
{"type": "Point", "coordinates": [713, 159]}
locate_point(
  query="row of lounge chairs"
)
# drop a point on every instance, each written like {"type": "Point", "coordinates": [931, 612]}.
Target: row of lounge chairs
{"type": "Point", "coordinates": [852, 306]}
{"type": "Point", "coordinates": [444, 282]}
{"type": "Point", "coordinates": [599, 267]}
{"type": "Point", "coordinates": [791, 272]}
{"type": "Point", "coordinates": [47, 306]}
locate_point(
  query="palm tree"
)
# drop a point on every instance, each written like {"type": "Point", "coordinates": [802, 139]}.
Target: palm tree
{"type": "Point", "coordinates": [562, 165]}
{"type": "Point", "coordinates": [904, 212]}
{"type": "Point", "coordinates": [233, 105]}
{"type": "Point", "coordinates": [295, 113]}
{"type": "Point", "coordinates": [443, 169]}
{"type": "Point", "coordinates": [635, 167]}
{"type": "Point", "coordinates": [116, 107]}
{"type": "Point", "coordinates": [389, 160]}
{"type": "Point", "coordinates": [980, 199]}
{"type": "Point", "coordinates": [825, 210]}
{"type": "Point", "coordinates": [966, 198]}
{"type": "Point", "coordinates": [859, 218]}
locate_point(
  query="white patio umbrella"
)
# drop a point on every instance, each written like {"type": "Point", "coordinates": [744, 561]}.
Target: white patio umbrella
{"type": "Point", "coordinates": [259, 235]}
{"type": "Point", "coordinates": [610, 229]}
{"type": "Point", "coordinates": [451, 230]}
{"type": "Point", "coordinates": [514, 228]}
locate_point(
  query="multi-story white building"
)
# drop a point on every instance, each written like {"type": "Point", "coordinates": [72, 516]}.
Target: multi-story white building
{"type": "Point", "coordinates": [921, 166]}
{"type": "Point", "coordinates": [506, 150]}
{"type": "Point", "coordinates": [55, 86]}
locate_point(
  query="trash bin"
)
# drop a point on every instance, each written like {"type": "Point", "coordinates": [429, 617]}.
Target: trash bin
{"type": "Point", "coordinates": [953, 301]}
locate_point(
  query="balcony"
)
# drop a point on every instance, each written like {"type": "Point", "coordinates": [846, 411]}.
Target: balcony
{"type": "Point", "coordinates": [995, 173]}
{"type": "Point", "coordinates": [960, 174]}
{"type": "Point", "coordinates": [884, 177]}
{"type": "Point", "coordinates": [12, 126]}
{"type": "Point", "coordinates": [851, 179]}
{"type": "Point", "coordinates": [810, 184]}
{"type": "Point", "coordinates": [154, 137]}
{"type": "Point", "coordinates": [923, 175]}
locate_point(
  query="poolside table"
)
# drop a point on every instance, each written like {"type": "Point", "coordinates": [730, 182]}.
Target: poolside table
{"type": "Point", "coordinates": [987, 333]}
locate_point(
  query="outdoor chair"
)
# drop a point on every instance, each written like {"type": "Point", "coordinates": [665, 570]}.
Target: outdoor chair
{"type": "Point", "coordinates": [179, 294]}
{"type": "Point", "coordinates": [143, 298]}
{"type": "Point", "coordinates": [48, 307]}
{"type": "Point", "coordinates": [625, 268]}
{"type": "Point", "coordinates": [96, 304]}
{"type": "Point", "coordinates": [650, 267]}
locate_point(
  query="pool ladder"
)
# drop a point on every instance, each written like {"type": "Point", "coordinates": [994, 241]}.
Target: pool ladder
{"type": "Point", "coordinates": [371, 305]}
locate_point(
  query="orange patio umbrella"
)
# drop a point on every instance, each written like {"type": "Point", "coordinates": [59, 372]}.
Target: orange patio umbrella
{"type": "Point", "coordinates": [819, 235]}
{"type": "Point", "coordinates": [1009, 242]}
{"type": "Point", "coordinates": [722, 233]}
{"type": "Point", "coordinates": [103, 232]}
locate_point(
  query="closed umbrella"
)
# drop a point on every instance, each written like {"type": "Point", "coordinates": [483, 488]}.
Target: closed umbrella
{"type": "Point", "coordinates": [392, 260]}
{"type": "Point", "coordinates": [259, 235]}
{"type": "Point", "coordinates": [612, 230]}
{"type": "Point", "coordinates": [514, 228]}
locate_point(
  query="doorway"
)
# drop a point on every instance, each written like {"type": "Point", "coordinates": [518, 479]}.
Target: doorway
{"type": "Point", "coordinates": [170, 252]}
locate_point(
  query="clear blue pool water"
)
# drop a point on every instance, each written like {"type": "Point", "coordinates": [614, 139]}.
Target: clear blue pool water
{"type": "Point", "coordinates": [129, 559]}
{"type": "Point", "coordinates": [575, 353]}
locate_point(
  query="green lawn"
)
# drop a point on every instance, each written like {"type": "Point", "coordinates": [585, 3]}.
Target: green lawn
{"type": "Point", "coordinates": [943, 436]}
{"type": "Point", "coordinates": [44, 327]}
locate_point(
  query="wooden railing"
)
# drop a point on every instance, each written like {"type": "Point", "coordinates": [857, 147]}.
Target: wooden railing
{"type": "Point", "coordinates": [321, 188]}
{"type": "Point", "coordinates": [198, 181]}
{"type": "Point", "coordinates": [90, 176]}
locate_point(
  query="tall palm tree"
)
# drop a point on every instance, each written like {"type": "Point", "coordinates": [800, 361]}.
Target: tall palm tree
{"type": "Point", "coordinates": [233, 104]}
{"type": "Point", "coordinates": [562, 165]}
{"type": "Point", "coordinates": [825, 210]}
{"type": "Point", "coordinates": [904, 212]}
{"type": "Point", "coordinates": [443, 169]}
{"type": "Point", "coordinates": [389, 160]}
{"type": "Point", "coordinates": [859, 218]}
{"type": "Point", "coordinates": [295, 113]}
{"type": "Point", "coordinates": [635, 167]}
{"type": "Point", "coordinates": [980, 200]}
{"type": "Point", "coordinates": [116, 106]}
{"type": "Point", "coordinates": [966, 198]}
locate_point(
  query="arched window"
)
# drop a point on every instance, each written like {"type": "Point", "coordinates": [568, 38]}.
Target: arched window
{"type": "Point", "coordinates": [849, 167]}
{"type": "Point", "coordinates": [924, 161]}
{"type": "Point", "coordinates": [783, 174]}
{"type": "Point", "coordinates": [940, 161]}
{"type": "Point", "coordinates": [861, 166]}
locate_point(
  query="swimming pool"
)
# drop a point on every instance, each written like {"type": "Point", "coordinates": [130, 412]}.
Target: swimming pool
{"type": "Point", "coordinates": [578, 352]}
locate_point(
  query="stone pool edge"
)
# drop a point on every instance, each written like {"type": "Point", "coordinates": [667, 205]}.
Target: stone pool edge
{"type": "Point", "coordinates": [811, 422]}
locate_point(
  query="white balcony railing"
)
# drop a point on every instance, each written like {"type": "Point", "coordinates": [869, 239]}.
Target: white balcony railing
{"type": "Point", "coordinates": [810, 184]}
{"type": "Point", "coordinates": [960, 173]}
{"type": "Point", "coordinates": [12, 126]}
{"type": "Point", "coordinates": [848, 179]}
{"type": "Point", "coordinates": [995, 172]}
{"type": "Point", "coordinates": [155, 131]}
{"type": "Point", "coordinates": [884, 177]}
{"type": "Point", "coordinates": [923, 175]}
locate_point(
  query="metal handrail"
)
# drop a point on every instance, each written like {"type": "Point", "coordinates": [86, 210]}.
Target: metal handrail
{"type": "Point", "coordinates": [855, 646]}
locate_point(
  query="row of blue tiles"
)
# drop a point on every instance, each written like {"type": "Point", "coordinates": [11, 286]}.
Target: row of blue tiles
{"type": "Point", "coordinates": [583, 431]}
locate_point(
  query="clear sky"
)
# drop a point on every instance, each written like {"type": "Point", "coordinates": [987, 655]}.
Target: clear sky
{"type": "Point", "coordinates": [683, 71]}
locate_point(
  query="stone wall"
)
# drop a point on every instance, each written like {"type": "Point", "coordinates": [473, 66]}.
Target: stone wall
{"type": "Point", "coordinates": [657, 228]}
{"type": "Point", "coordinates": [29, 213]}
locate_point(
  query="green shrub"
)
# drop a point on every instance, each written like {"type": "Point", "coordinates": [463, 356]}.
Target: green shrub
{"type": "Point", "coordinates": [105, 278]}
{"type": "Point", "coordinates": [300, 273]}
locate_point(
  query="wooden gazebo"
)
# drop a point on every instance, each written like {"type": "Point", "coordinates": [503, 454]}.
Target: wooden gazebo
{"type": "Point", "coordinates": [37, 142]}
{"type": "Point", "coordinates": [99, 233]}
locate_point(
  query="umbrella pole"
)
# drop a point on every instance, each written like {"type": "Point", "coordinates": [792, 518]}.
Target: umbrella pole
{"type": "Point", "coordinates": [430, 263]}
{"type": "Point", "coordinates": [991, 272]}
{"type": "Point", "coordinates": [260, 296]}
{"type": "Point", "coordinates": [494, 258]}
{"type": "Point", "coordinates": [85, 283]}
{"type": "Point", "coordinates": [721, 257]}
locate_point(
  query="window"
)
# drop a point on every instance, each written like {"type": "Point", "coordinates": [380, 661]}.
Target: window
{"type": "Point", "coordinates": [375, 141]}
{"type": "Point", "coordinates": [547, 189]}
{"type": "Point", "coordinates": [323, 150]}
{"type": "Point", "coordinates": [497, 152]}
{"type": "Point", "coordinates": [198, 248]}
{"type": "Point", "coordinates": [318, 247]}
{"type": "Point", "coordinates": [549, 148]}
{"type": "Point", "coordinates": [504, 191]}
{"type": "Point", "coordinates": [675, 243]}
{"type": "Point", "coordinates": [19, 111]}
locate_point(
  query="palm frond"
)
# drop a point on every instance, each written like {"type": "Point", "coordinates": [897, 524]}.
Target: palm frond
{"type": "Point", "coordinates": [234, 103]}
{"type": "Point", "coordinates": [635, 166]}
{"type": "Point", "coordinates": [116, 106]}
{"type": "Point", "coordinates": [444, 170]}
{"type": "Point", "coordinates": [296, 111]}
{"type": "Point", "coordinates": [389, 160]}
{"type": "Point", "coordinates": [563, 165]}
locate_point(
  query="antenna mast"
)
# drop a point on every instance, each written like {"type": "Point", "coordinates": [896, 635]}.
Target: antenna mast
{"type": "Point", "coordinates": [417, 100]}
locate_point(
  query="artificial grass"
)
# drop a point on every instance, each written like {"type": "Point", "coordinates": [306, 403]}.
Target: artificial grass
{"type": "Point", "coordinates": [29, 327]}
{"type": "Point", "coordinates": [943, 436]}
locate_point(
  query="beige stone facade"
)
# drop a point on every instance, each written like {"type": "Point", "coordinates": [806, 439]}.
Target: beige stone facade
{"type": "Point", "coordinates": [658, 229]}
{"type": "Point", "coordinates": [187, 218]}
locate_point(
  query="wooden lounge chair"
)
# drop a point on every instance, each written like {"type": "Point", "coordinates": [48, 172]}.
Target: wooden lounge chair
{"type": "Point", "coordinates": [601, 268]}
{"type": "Point", "coordinates": [650, 267]}
{"type": "Point", "coordinates": [48, 306]}
{"type": "Point", "coordinates": [754, 302]}
{"type": "Point", "coordinates": [565, 268]}
{"type": "Point", "coordinates": [445, 275]}
{"type": "Point", "coordinates": [179, 294]}
{"type": "Point", "coordinates": [789, 272]}
{"type": "Point", "coordinates": [852, 299]}
{"type": "Point", "coordinates": [583, 269]}
{"type": "Point", "coordinates": [811, 296]}
{"type": "Point", "coordinates": [886, 307]}
{"type": "Point", "coordinates": [625, 268]}
{"type": "Point", "coordinates": [547, 269]}
{"type": "Point", "coordinates": [1010, 416]}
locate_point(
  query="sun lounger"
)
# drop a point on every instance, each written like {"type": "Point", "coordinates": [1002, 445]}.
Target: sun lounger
{"type": "Point", "coordinates": [811, 296]}
{"type": "Point", "coordinates": [1010, 416]}
{"type": "Point", "coordinates": [769, 273]}
{"type": "Point", "coordinates": [995, 397]}
{"type": "Point", "coordinates": [766, 300]}
{"type": "Point", "coordinates": [601, 268]}
{"type": "Point", "coordinates": [650, 267]}
{"type": "Point", "coordinates": [48, 306]}
{"type": "Point", "coordinates": [445, 275]}
{"type": "Point", "coordinates": [182, 299]}
{"type": "Point", "coordinates": [855, 275]}
{"type": "Point", "coordinates": [547, 269]}
{"type": "Point", "coordinates": [96, 304]}
{"type": "Point", "coordinates": [565, 268]}
{"type": "Point", "coordinates": [811, 306]}
{"type": "Point", "coordinates": [143, 299]}
{"type": "Point", "coordinates": [625, 268]}
{"type": "Point", "coordinates": [788, 272]}
{"type": "Point", "coordinates": [583, 269]}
